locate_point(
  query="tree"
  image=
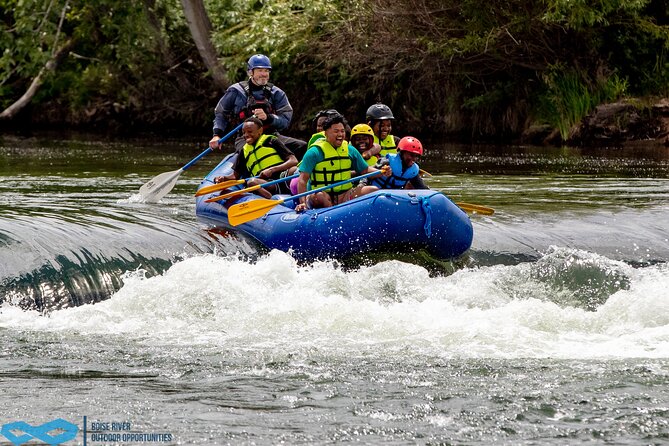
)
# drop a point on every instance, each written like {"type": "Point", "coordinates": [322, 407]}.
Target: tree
{"type": "Point", "coordinates": [50, 66]}
{"type": "Point", "coordinates": [57, 55]}
{"type": "Point", "coordinates": [200, 28]}
{"type": "Point", "coordinates": [121, 63]}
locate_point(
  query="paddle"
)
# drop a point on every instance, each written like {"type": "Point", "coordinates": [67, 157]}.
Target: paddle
{"type": "Point", "coordinates": [162, 184]}
{"type": "Point", "coordinates": [475, 208]}
{"type": "Point", "coordinates": [250, 210]}
{"type": "Point", "coordinates": [424, 173]}
{"type": "Point", "coordinates": [220, 186]}
{"type": "Point", "coordinates": [229, 183]}
{"type": "Point", "coordinates": [250, 189]}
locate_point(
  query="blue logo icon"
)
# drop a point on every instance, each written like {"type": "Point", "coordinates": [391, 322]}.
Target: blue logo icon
{"type": "Point", "coordinates": [69, 431]}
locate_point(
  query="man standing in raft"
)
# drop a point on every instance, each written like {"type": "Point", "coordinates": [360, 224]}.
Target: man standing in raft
{"type": "Point", "coordinates": [330, 161]}
{"type": "Point", "coordinates": [404, 167]}
{"type": "Point", "coordinates": [263, 156]}
{"type": "Point", "coordinates": [260, 98]}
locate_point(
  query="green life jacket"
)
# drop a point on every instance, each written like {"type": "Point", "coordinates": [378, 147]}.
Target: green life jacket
{"type": "Point", "coordinates": [387, 145]}
{"type": "Point", "coordinates": [335, 167]}
{"type": "Point", "coordinates": [260, 156]}
{"type": "Point", "coordinates": [315, 137]}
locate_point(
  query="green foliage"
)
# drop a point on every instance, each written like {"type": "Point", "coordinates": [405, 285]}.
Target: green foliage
{"type": "Point", "coordinates": [278, 28]}
{"type": "Point", "coordinates": [640, 54]}
{"type": "Point", "coordinates": [27, 34]}
{"type": "Point", "coordinates": [582, 14]}
{"type": "Point", "coordinates": [126, 58]}
{"type": "Point", "coordinates": [569, 98]}
{"type": "Point", "coordinates": [483, 69]}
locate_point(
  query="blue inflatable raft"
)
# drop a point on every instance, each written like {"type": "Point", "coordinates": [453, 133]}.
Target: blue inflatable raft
{"type": "Point", "coordinates": [398, 221]}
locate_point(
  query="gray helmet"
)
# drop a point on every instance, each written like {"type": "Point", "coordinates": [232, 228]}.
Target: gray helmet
{"type": "Point", "coordinates": [379, 111]}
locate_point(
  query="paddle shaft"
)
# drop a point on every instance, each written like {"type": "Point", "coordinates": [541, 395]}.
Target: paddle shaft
{"type": "Point", "coordinates": [209, 149]}
{"type": "Point", "coordinates": [475, 208]}
{"type": "Point", "coordinates": [251, 189]}
{"type": "Point", "coordinates": [250, 210]}
{"type": "Point", "coordinates": [218, 186]}
{"type": "Point", "coordinates": [162, 184]}
{"type": "Point", "coordinates": [331, 186]}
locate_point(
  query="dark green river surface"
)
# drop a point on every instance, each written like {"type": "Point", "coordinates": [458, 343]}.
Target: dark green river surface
{"type": "Point", "coordinates": [133, 323]}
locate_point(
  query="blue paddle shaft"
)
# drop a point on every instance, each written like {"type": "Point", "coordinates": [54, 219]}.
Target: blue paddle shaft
{"type": "Point", "coordinates": [331, 186]}
{"type": "Point", "coordinates": [209, 149]}
{"type": "Point", "coordinates": [280, 180]}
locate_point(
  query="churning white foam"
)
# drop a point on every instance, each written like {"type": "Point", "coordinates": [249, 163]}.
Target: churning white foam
{"type": "Point", "coordinates": [274, 303]}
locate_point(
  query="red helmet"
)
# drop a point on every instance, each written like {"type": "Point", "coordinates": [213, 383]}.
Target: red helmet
{"type": "Point", "coordinates": [410, 144]}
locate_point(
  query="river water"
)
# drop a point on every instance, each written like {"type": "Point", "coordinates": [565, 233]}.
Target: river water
{"type": "Point", "coordinates": [135, 324]}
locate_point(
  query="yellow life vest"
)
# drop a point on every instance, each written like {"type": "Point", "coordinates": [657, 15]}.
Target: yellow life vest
{"type": "Point", "coordinates": [387, 145]}
{"type": "Point", "coordinates": [261, 157]}
{"type": "Point", "coordinates": [335, 167]}
{"type": "Point", "coordinates": [315, 137]}
{"type": "Point", "coordinates": [372, 159]}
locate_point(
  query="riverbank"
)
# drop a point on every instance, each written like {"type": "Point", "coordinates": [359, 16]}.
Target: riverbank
{"type": "Point", "coordinates": [628, 122]}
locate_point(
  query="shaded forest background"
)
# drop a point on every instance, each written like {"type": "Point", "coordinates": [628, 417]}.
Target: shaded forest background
{"type": "Point", "coordinates": [475, 70]}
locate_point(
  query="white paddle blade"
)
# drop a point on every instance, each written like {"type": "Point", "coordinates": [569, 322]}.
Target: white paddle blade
{"type": "Point", "coordinates": [159, 186]}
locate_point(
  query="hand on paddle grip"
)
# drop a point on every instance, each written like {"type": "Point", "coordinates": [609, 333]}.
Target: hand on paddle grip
{"type": "Point", "coordinates": [260, 114]}
{"type": "Point", "coordinates": [301, 207]}
{"type": "Point", "coordinates": [386, 171]}
{"type": "Point", "coordinates": [215, 143]}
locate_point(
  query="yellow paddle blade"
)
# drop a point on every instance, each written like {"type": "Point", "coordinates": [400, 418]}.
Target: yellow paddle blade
{"type": "Point", "coordinates": [218, 186]}
{"type": "Point", "coordinates": [250, 210]}
{"type": "Point", "coordinates": [475, 208]}
{"type": "Point", "coordinates": [425, 173]}
{"type": "Point", "coordinates": [233, 193]}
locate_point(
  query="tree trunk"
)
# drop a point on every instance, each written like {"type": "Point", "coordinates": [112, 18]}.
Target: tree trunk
{"type": "Point", "coordinates": [200, 29]}
{"type": "Point", "coordinates": [51, 65]}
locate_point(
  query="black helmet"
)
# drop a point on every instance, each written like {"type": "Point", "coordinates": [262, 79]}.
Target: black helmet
{"type": "Point", "coordinates": [379, 111]}
{"type": "Point", "coordinates": [329, 113]}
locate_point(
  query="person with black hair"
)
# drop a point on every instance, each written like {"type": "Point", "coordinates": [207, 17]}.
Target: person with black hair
{"type": "Point", "coordinates": [263, 158]}
{"type": "Point", "coordinates": [380, 119]}
{"type": "Point", "coordinates": [318, 121]}
{"type": "Point", "coordinates": [329, 161]}
{"type": "Point", "coordinates": [404, 165]}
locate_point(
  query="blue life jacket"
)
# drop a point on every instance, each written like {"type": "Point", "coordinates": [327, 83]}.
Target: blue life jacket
{"type": "Point", "coordinates": [399, 178]}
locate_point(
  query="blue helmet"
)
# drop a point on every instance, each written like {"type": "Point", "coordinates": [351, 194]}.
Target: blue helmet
{"type": "Point", "coordinates": [259, 61]}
